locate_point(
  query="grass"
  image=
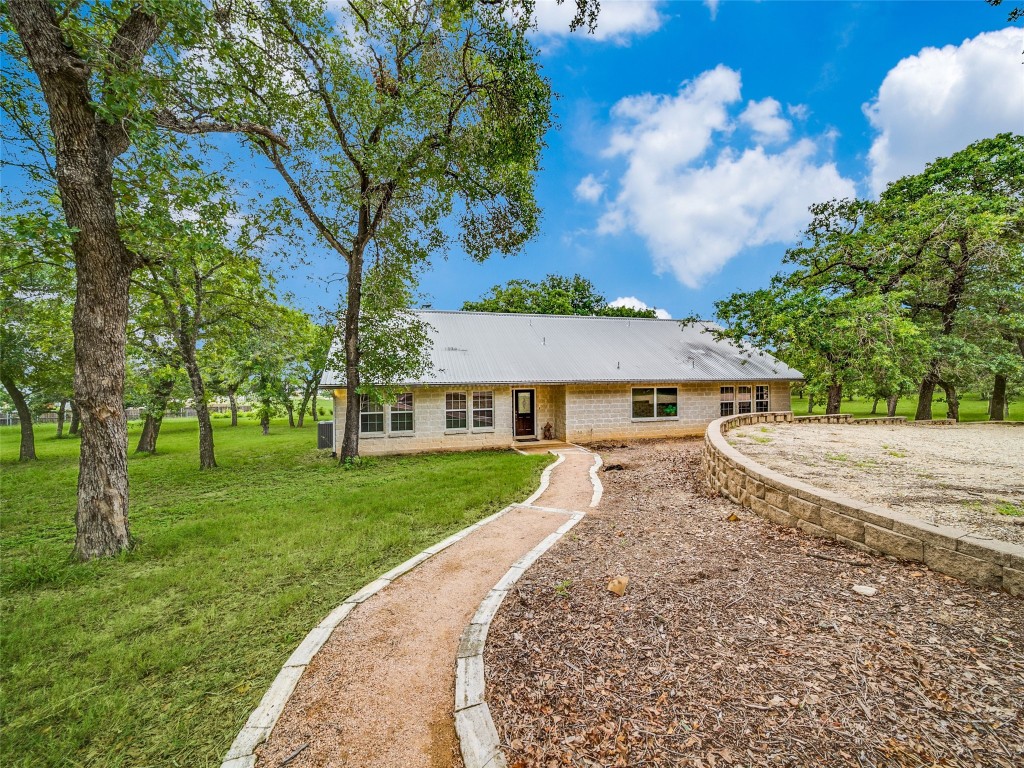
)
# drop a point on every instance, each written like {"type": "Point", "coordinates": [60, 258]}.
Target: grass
{"type": "Point", "coordinates": [1010, 509]}
{"type": "Point", "coordinates": [157, 657]}
{"type": "Point", "coordinates": [972, 408]}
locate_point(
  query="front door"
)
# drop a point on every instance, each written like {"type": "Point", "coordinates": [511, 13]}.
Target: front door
{"type": "Point", "coordinates": [522, 402]}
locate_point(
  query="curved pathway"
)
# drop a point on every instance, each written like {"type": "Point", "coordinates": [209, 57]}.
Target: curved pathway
{"type": "Point", "coordinates": [380, 691]}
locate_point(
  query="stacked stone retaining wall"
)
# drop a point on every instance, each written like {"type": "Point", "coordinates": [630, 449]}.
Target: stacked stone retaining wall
{"type": "Point", "coordinates": [866, 527]}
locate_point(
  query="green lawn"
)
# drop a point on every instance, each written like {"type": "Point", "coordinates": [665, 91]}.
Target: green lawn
{"type": "Point", "coordinates": [157, 657]}
{"type": "Point", "coordinates": [972, 408]}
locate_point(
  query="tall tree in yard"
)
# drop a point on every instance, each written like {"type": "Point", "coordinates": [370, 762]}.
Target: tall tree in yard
{"type": "Point", "coordinates": [406, 121]}
{"type": "Point", "coordinates": [109, 75]}
{"type": "Point", "coordinates": [36, 290]}
{"type": "Point", "coordinates": [201, 276]}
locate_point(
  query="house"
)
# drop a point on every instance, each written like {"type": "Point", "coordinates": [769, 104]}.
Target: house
{"type": "Point", "coordinates": [499, 378]}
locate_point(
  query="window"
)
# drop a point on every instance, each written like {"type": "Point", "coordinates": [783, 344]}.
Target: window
{"type": "Point", "coordinates": [660, 403]}
{"type": "Point", "coordinates": [761, 398]}
{"type": "Point", "coordinates": [727, 406]}
{"type": "Point", "coordinates": [401, 413]}
{"type": "Point", "coordinates": [371, 416]}
{"type": "Point", "coordinates": [743, 398]}
{"type": "Point", "coordinates": [483, 410]}
{"type": "Point", "coordinates": [455, 410]}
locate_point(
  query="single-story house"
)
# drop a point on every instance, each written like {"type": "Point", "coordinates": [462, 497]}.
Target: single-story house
{"type": "Point", "coordinates": [500, 378]}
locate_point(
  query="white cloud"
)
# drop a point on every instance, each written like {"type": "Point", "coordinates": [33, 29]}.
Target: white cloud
{"type": "Point", "coordinates": [634, 303]}
{"type": "Point", "coordinates": [940, 100]}
{"type": "Point", "coordinates": [765, 119]}
{"type": "Point", "coordinates": [589, 189]}
{"type": "Point", "coordinates": [712, 6]}
{"type": "Point", "coordinates": [695, 199]}
{"type": "Point", "coordinates": [618, 21]}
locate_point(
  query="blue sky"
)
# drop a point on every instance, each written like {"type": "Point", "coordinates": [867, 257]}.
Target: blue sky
{"type": "Point", "coordinates": [692, 136]}
{"type": "Point", "coordinates": [691, 191]}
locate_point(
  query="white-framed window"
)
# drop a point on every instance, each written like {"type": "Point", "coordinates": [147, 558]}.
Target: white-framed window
{"type": "Point", "coordinates": [727, 398]}
{"type": "Point", "coordinates": [743, 403]}
{"type": "Point", "coordinates": [455, 410]}
{"type": "Point", "coordinates": [483, 410]}
{"type": "Point", "coordinates": [655, 403]}
{"type": "Point", "coordinates": [371, 416]}
{"type": "Point", "coordinates": [401, 413]}
{"type": "Point", "coordinates": [761, 403]}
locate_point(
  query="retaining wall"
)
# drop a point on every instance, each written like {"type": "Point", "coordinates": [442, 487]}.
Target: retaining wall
{"type": "Point", "coordinates": [866, 527]}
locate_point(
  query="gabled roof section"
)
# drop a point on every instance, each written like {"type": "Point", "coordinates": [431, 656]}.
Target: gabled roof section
{"type": "Point", "coordinates": [498, 348]}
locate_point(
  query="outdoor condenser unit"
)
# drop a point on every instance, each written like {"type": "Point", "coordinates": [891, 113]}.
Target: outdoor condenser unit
{"type": "Point", "coordinates": [325, 435]}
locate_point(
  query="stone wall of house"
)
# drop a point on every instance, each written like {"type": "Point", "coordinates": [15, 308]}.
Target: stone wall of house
{"type": "Point", "coordinates": [577, 413]}
{"type": "Point", "coordinates": [429, 432]}
{"type": "Point", "coordinates": [605, 411]}
{"type": "Point", "coordinates": [856, 524]}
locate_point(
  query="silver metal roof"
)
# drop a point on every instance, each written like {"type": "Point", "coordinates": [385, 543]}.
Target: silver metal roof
{"type": "Point", "coordinates": [497, 348]}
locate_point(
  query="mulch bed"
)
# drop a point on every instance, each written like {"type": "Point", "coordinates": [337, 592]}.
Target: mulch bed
{"type": "Point", "coordinates": [739, 643]}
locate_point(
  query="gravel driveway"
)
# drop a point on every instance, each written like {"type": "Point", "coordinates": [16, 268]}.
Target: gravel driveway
{"type": "Point", "coordinates": [969, 476]}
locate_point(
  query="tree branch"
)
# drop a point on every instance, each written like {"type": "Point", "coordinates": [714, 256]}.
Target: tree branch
{"type": "Point", "coordinates": [167, 119]}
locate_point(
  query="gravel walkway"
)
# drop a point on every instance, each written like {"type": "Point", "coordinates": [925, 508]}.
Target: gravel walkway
{"type": "Point", "coordinates": [380, 693]}
{"type": "Point", "coordinates": [738, 643]}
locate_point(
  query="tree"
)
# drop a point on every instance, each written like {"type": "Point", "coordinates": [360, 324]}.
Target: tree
{"type": "Point", "coordinates": [834, 341]}
{"type": "Point", "coordinates": [109, 75]}
{"type": "Point", "coordinates": [200, 275]}
{"type": "Point", "coordinates": [406, 122]}
{"type": "Point", "coordinates": [314, 345]}
{"type": "Point", "coordinates": [35, 309]}
{"type": "Point", "coordinates": [554, 295]}
{"type": "Point", "coordinates": [155, 377]}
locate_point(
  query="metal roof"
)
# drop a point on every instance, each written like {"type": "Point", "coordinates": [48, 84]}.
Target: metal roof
{"type": "Point", "coordinates": [498, 348]}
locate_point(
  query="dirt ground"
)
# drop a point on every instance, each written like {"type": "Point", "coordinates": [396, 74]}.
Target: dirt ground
{"type": "Point", "coordinates": [739, 643]}
{"type": "Point", "coordinates": [381, 692]}
{"type": "Point", "coordinates": [969, 476]}
{"type": "Point", "coordinates": [570, 487]}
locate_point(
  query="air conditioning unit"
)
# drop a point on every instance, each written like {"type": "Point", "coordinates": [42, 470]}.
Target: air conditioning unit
{"type": "Point", "coordinates": [325, 435]}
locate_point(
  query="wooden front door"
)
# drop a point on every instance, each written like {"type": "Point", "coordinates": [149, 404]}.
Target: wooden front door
{"type": "Point", "coordinates": [522, 403]}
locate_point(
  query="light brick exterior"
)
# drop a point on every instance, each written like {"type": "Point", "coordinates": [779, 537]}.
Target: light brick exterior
{"type": "Point", "coordinates": [577, 413]}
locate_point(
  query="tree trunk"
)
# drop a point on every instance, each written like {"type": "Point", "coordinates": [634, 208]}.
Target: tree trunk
{"type": "Point", "coordinates": [874, 406]}
{"type": "Point", "coordinates": [265, 419]}
{"type": "Point", "coordinates": [234, 407]}
{"type": "Point", "coordinates": [60, 418]}
{"type": "Point", "coordinates": [187, 348]}
{"type": "Point", "coordinates": [85, 147]}
{"type": "Point", "coordinates": [835, 399]}
{"type": "Point", "coordinates": [810, 403]}
{"type": "Point", "coordinates": [289, 406]}
{"type": "Point", "coordinates": [76, 420]}
{"type": "Point", "coordinates": [313, 409]}
{"type": "Point", "coordinates": [28, 437]}
{"type": "Point", "coordinates": [302, 407]}
{"type": "Point", "coordinates": [350, 444]}
{"type": "Point", "coordinates": [147, 440]}
{"type": "Point", "coordinates": [155, 417]}
{"type": "Point", "coordinates": [997, 405]}
{"type": "Point", "coordinates": [952, 401]}
{"type": "Point", "coordinates": [890, 405]}
{"type": "Point", "coordinates": [924, 397]}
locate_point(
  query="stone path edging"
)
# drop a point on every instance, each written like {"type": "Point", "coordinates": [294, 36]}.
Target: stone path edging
{"type": "Point", "coordinates": [786, 501]}
{"type": "Point", "coordinates": [478, 737]}
{"type": "Point", "coordinates": [262, 720]}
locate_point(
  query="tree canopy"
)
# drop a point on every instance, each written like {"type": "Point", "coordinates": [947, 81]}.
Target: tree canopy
{"type": "Point", "coordinates": [554, 295]}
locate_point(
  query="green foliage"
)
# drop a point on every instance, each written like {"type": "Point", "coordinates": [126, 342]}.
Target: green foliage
{"type": "Point", "coordinates": [926, 283]}
{"type": "Point", "coordinates": [157, 657]}
{"type": "Point", "coordinates": [554, 295]}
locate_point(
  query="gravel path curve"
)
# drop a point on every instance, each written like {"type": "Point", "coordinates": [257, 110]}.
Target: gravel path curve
{"type": "Point", "coordinates": [380, 693]}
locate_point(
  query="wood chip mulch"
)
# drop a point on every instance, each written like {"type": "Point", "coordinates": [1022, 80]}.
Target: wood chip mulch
{"type": "Point", "coordinates": [739, 643]}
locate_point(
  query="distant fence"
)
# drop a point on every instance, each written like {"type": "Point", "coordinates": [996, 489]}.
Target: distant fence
{"type": "Point", "coordinates": [11, 419]}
